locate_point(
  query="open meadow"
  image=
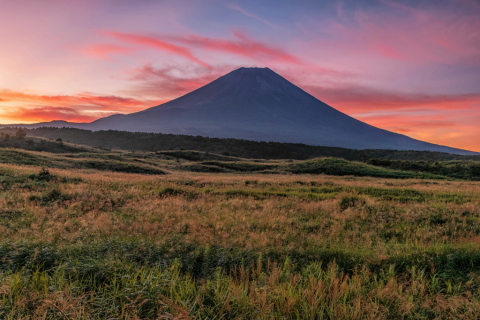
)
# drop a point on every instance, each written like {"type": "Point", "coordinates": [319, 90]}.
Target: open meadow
{"type": "Point", "coordinates": [80, 243]}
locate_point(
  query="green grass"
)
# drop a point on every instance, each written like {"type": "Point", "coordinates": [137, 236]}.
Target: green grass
{"type": "Point", "coordinates": [342, 167]}
{"type": "Point", "coordinates": [329, 166]}
{"type": "Point", "coordinates": [241, 166]}
{"type": "Point", "coordinates": [104, 162]}
{"type": "Point", "coordinates": [461, 169]}
{"type": "Point", "coordinates": [131, 279]}
{"type": "Point", "coordinates": [194, 161]}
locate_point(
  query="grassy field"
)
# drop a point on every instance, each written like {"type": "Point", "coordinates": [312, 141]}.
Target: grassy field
{"type": "Point", "coordinates": [142, 236]}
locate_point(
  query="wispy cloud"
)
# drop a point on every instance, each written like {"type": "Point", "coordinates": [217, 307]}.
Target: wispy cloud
{"type": "Point", "coordinates": [243, 45]}
{"type": "Point", "coordinates": [156, 43]}
{"type": "Point", "coordinates": [412, 34]}
{"type": "Point", "coordinates": [251, 15]}
{"type": "Point", "coordinates": [104, 51]}
{"type": "Point", "coordinates": [83, 107]}
{"type": "Point", "coordinates": [99, 102]}
{"type": "Point", "coordinates": [357, 99]}
{"type": "Point", "coordinates": [172, 81]}
{"type": "Point", "coordinates": [47, 113]}
{"type": "Point", "coordinates": [407, 123]}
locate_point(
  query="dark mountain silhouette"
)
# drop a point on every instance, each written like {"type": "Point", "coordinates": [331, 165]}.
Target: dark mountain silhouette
{"type": "Point", "coordinates": [258, 104]}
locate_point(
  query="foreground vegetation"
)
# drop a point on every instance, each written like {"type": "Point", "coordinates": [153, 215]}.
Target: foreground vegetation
{"type": "Point", "coordinates": [85, 238]}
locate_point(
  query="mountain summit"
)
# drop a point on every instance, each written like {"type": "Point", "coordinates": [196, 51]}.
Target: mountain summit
{"type": "Point", "coordinates": [258, 104]}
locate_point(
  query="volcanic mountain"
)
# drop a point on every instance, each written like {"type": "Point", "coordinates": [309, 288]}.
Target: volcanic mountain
{"type": "Point", "coordinates": [258, 104]}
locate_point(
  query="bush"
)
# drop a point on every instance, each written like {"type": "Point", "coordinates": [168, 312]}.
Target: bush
{"type": "Point", "coordinates": [51, 197]}
{"type": "Point", "coordinates": [351, 202]}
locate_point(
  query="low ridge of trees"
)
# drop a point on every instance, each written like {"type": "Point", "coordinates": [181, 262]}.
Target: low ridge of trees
{"type": "Point", "coordinates": [152, 142]}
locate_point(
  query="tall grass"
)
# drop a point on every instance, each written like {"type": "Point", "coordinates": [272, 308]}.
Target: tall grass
{"type": "Point", "coordinates": [83, 244]}
{"type": "Point", "coordinates": [316, 291]}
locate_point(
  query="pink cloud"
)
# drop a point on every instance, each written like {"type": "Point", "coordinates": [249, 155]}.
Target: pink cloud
{"type": "Point", "coordinates": [418, 34]}
{"type": "Point", "coordinates": [166, 81]}
{"type": "Point", "coordinates": [388, 51]}
{"type": "Point", "coordinates": [102, 51]}
{"type": "Point", "coordinates": [173, 81]}
{"type": "Point", "coordinates": [243, 46]}
{"type": "Point", "coordinates": [157, 44]}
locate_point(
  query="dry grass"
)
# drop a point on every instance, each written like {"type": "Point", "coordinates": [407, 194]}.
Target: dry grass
{"type": "Point", "coordinates": [95, 245]}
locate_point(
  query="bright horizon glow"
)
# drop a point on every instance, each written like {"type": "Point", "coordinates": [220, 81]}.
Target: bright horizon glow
{"type": "Point", "coordinates": [411, 67]}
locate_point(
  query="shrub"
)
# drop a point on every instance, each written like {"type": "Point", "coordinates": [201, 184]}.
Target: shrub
{"type": "Point", "coordinates": [351, 202]}
{"type": "Point", "coordinates": [50, 198]}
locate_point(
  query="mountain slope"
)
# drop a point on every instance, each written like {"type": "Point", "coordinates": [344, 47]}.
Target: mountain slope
{"type": "Point", "coordinates": [258, 104]}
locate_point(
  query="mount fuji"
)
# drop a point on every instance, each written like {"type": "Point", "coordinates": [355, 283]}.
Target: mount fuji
{"type": "Point", "coordinates": [258, 104]}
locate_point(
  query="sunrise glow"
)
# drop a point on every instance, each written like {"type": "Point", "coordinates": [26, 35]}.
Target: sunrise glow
{"type": "Point", "coordinates": [411, 67]}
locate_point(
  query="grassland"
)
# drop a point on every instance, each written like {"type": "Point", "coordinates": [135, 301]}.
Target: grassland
{"type": "Point", "coordinates": [256, 240]}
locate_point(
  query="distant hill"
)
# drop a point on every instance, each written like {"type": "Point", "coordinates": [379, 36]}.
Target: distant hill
{"type": "Point", "coordinates": [54, 152]}
{"type": "Point", "coordinates": [258, 104]}
{"type": "Point", "coordinates": [236, 147]}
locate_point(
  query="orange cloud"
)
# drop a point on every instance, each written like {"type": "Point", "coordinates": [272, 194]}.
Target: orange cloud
{"type": "Point", "coordinates": [356, 99]}
{"type": "Point", "coordinates": [44, 114]}
{"type": "Point", "coordinates": [105, 103]}
{"type": "Point", "coordinates": [156, 43]}
{"type": "Point", "coordinates": [439, 129]}
{"type": "Point", "coordinates": [466, 140]}
{"type": "Point", "coordinates": [83, 107]}
{"type": "Point", "coordinates": [408, 123]}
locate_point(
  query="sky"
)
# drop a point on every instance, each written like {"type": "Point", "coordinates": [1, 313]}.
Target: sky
{"type": "Point", "coordinates": [411, 67]}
